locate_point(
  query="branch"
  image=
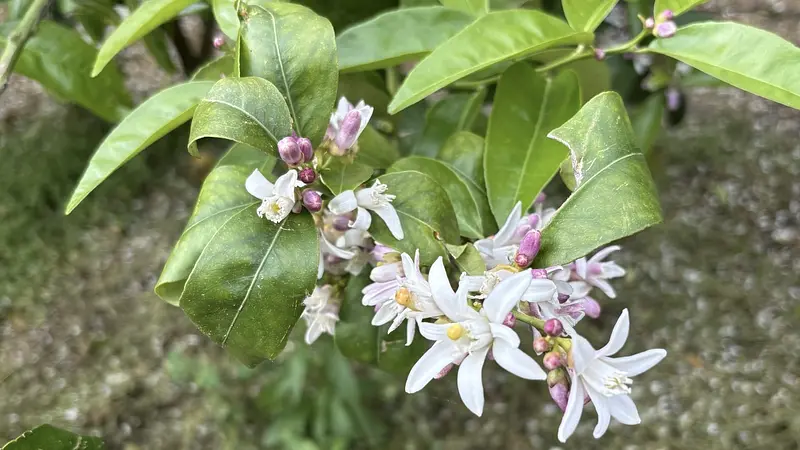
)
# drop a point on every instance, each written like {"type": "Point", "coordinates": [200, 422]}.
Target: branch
{"type": "Point", "coordinates": [17, 40]}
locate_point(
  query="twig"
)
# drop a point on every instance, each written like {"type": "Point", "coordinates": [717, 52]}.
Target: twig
{"type": "Point", "coordinates": [17, 40]}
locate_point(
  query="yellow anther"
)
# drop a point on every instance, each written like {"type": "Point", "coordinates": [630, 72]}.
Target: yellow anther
{"type": "Point", "coordinates": [276, 208]}
{"type": "Point", "coordinates": [455, 331]}
{"type": "Point", "coordinates": [403, 297]}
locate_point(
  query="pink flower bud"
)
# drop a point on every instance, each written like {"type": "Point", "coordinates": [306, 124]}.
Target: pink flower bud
{"type": "Point", "coordinates": [341, 223]}
{"type": "Point", "coordinates": [674, 99]}
{"type": "Point", "coordinates": [667, 14]}
{"type": "Point", "coordinates": [348, 131]}
{"type": "Point", "coordinates": [378, 252]}
{"type": "Point", "coordinates": [599, 54]}
{"type": "Point", "coordinates": [510, 320]}
{"type": "Point", "coordinates": [560, 395]}
{"type": "Point", "coordinates": [306, 149]}
{"type": "Point", "coordinates": [666, 29]}
{"type": "Point", "coordinates": [538, 273]}
{"type": "Point", "coordinates": [528, 248]}
{"type": "Point", "coordinates": [553, 327]}
{"type": "Point", "coordinates": [307, 175]}
{"type": "Point", "coordinates": [591, 307]}
{"type": "Point", "coordinates": [218, 42]}
{"type": "Point", "coordinates": [533, 220]}
{"type": "Point", "coordinates": [312, 200]}
{"type": "Point", "coordinates": [444, 371]}
{"type": "Point", "coordinates": [649, 23]}
{"type": "Point", "coordinates": [289, 151]}
{"type": "Point", "coordinates": [552, 361]}
{"type": "Point", "coordinates": [522, 230]}
{"type": "Point", "coordinates": [540, 198]}
{"type": "Point", "coordinates": [540, 345]}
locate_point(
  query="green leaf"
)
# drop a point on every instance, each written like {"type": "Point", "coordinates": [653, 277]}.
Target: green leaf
{"type": "Point", "coordinates": [468, 198]}
{"type": "Point", "coordinates": [594, 76]}
{"type": "Point", "coordinates": [355, 336]}
{"type": "Point", "coordinates": [425, 212]}
{"type": "Point", "coordinates": [341, 175]}
{"type": "Point", "coordinates": [480, 45]}
{"type": "Point", "coordinates": [467, 258]}
{"type": "Point", "coordinates": [149, 122]}
{"type": "Point", "coordinates": [456, 112]}
{"type": "Point", "coordinates": [375, 150]}
{"type": "Point", "coordinates": [773, 72]}
{"type": "Point", "coordinates": [474, 7]}
{"type": "Point", "coordinates": [48, 437]}
{"type": "Point", "coordinates": [464, 151]}
{"type": "Point", "coordinates": [58, 58]}
{"type": "Point", "coordinates": [157, 44]}
{"type": "Point", "coordinates": [397, 36]}
{"type": "Point", "coordinates": [397, 358]}
{"type": "Point", "coordinates": [519, 159]}
{"type": "Point", "coordinates": [677, 6]}
{"type": "Point", "coordinates": [247, 288]}
{"type": "Point", "coordinates": [367, 86]}
{"type": "Point", "coordinates": [615, 195]}
{"type": "Point", "coordinates": [226, 17]}
{"type": "Point", "coordinates": [215, 69]}
{"type": "Point", "coordinates": [223, 195]}
{"type": "Point", "coordinates": [146, 18]}
{"type": "Point", "coordinates": [587, 15]}
{"type": "Point", "coordinates": [246, 110]}
{"type": "Point", "coordinates": [295, 49]}
{"type": "Point", "coordinates": [646, 120]}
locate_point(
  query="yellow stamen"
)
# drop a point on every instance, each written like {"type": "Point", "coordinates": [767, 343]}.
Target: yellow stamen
{"type": "Point", "coordinates": [276, 208]}
{"type": "Point", "coordinates": [403, 297]}
{"type": "Point", "coordinates": [455, 331]}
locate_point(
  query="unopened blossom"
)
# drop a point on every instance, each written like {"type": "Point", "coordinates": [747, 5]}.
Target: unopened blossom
{"type": "Point", "coordinates": [596, 272]}
{"type": "Point", "coordinates": [346, 125]}
{"type": "Point", "coordinates": [289, 151]}
{"type": "Point", "coordinates": [502, 247]}
{"type": "Point", "coordinates": [373, 199]}
{"type": "Point", "coordinates": [665, 29]}
{"type": "Point", "coordinates": [321, 313]}
{"type": "Point", "coordinates": [312, 200]}
{"type": "Point", "coordinates": [606, 380]}
{"type": "Point", "coordinates": [471, 335]}
{"type": "Point", "coordinates": [307, 175]}
{"type": "Point", "coordinates": [277, 199]}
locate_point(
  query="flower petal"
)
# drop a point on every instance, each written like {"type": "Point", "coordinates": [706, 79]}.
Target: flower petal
{"type": "Point", "coordinates": [363, 220]}
{"type": "Point", "coordinates": [431, 363]}
{"type": "Point", "coordinates": [342, 108]}
{"type": "Point", "coordinates": [434, 331]}
{"type": "Point", "coordinates": [580, 289]}
{"type": "Point", "coordinates": [580, 267]}
{"type": "Point", "coordinates": [366, 114]}
{"type": "Point", "coordinates": [470, 381]}
{"type": "Point", "coordinates": [409, 267]}
{"type": "Point", "coordinates": [618, 335]}
{"type": "Point", "coordinates": [392, 221]}
{"type": "Point", "coordinates": [638, 363]}
{"type": "Point", "coordinates": [516, 361]}
{"type": "Point", "coordinates": [612, 270]}
{"type": "Point", "coordinates": [601, 255]}
{"type": "Point", "coordinates": [410, 330]}
{"type": "Point", "coordinates": [506, 295]}
{"type": "Point", "coordinates": [386, 313]}
{"type": "Point", "coordinates": [378, 293]}
{"type": "Point", "coordinates": [385, 272]}
{"type": "Point", "coordinates": [343, 203]}
{"type": "Point", "coordinates": [605, 286]}
{"type": "Point", "coordinates": [504, 333]}
{"type": "Point", "coordinates": [540, 290]}
{"type": "Point", "coordinates": [624, 410]}
{"type": "Point", "coordinates": [507, 230]}
{"type": "Point", "coordinates": [582, 353]}
{"type": "Point", "coordinates": [313, 332]}
{"type": "Point", "coordinates": [258, 186]}
{"type": "Point", "coordinates": [326, 246]}
{"type": "Point", "coordinates": [572, 415]}
{"type": "Point", "coordinates": [600, 403]}
{"type": "Point", "coordinates": [284, 185]}
{"type": "Point", "coordinates": [443, 294]}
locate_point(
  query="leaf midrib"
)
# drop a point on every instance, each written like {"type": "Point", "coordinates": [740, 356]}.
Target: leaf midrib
{"type": "Point", "coordinates": [536, 130]}
{"type": "Point", "coordinates": [289, 101]}
{"type": "Point", "coordinates": [263, 127]}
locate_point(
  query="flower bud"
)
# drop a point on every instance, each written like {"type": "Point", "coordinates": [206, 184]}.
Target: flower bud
{"type": "Point", "coordinates": [528, 248]}
{"type": "Point", "coordinates": [218, 41]}
{"type": "Point", "coordinates": [289, 151]}
{"type": "Point", "coordinates": [553, 327]}
{"type": "Point", "coordinates": [533, 220]}
{"type": "Point", "coordinates": [599, 54]}
{"type": "Point", "coordinates": [540, 345]}
{"type": "Point", "coordinates": [552, 361]}
{"type": "Point", "coordinates": [674, 99]}
{"type": "Point", "coordinates": [510, 320]}
{"type": "Point", "coordinates": [558, 385]}
{"type": "Point", "coordinates": [562, 297]}
{"type": "Point", "coordinates": [538, 274]}
{"type": "Point", "coordinates": [312, 200]}
{"type": "Point", "coordinates": [666, 29]}
{"type": "Point", "coordinates": [667, 14]}
{"type": "Point", "coordinates": [649, 23]}
{"type": "Point", "coordinates": [540, 198]}
{"type": "Point", "coordinates": [521, 231]}
{"type": "Point", "coordinates": [591, 307]}
{"type": "Point", "coordinates": [307, 175]}
{"type": "Point", "coordinates": [341, 223]}
{"type": "Point", "coordinates": [306, 149]}
{"type": "Point", "coordinates": [348, 131]}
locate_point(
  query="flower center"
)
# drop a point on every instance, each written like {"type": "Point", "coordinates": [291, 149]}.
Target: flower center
{"type": "Point", "coordinates": [617, 383]}
{"type": "Point", "coordinates": [403, 297]}
{"type": "Point", "coordinates": [455, 331]}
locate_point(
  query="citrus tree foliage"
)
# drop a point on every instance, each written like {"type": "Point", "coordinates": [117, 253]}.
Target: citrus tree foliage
{"type": "Point", "coordinates": [385, 183]}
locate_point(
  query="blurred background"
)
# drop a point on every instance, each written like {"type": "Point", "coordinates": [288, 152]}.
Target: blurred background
{"type": "Point", "coordinates": [87, 346]}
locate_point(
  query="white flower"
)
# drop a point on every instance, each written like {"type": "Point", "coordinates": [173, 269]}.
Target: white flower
{"type": "Point", "coordinates": [374, 199]}
{"type": "Point", "coordinates": [343, 135]}
{"type": "Point", "coordinates": [471, 335]}
{"type": "Point", "coordinates": [276, 200]}
{"type": "Point", "coordinates": [596, 271]}
{"type": "Point", "coordinates": [606, 380]}
{"type": "Point", "coordinates": [321, 313]}
{"type": "Point", "coordinates": [400, 293]}
{"type": "Point", "coordinates": [501, 248]}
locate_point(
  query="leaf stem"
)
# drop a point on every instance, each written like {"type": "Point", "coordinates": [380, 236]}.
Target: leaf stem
{"type": "Point", "coordinates": [581, 52]}
{"type": "Point", "coordinates": [17, 40]}
{"type": "Point", "coordinates": [530, 320]}
{"type": "Point", "coordinates": [392, 81]}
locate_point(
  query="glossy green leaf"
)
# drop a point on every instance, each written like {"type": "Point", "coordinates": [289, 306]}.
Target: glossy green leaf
{"type": "Point", "coordinates": [425, 212]}
{"type": "Point", "coordinates": [480, 45]}
{"type": "Point", "coordinates": [48, 437]}
{"type": "Point", "coordinates": [474, 7]}
{"type": "Point", "coordinates": [295, 49]}
{"type": "Point", "coordinates": [464, 151]}
{"type": "Point", "coordinates": [375, 150]}
{"type": "Point", "coordinates": [594, 76]}
{"type": "Point", "coordinates": [677, 6]}
{"type": "Point", "coordinates": [519, 159]}
{"type": "Point", "coordinates": [467, 259]}
{"type": "Point", "coordinates": [646, 120]}
{"type": "Point", "coordinates": [341, 175]}
{"type": "Point", "coordinates": [397, 358]}
{"type": "Point", "coordinates": [149, 122]}
{"type": "Point", "coordinates": [355, 336]}
{"type": "Point", "coordinates": [58, 58]}
{"type": "Point", "coordinates": [247, 288]}
{"type": "Point", "coordinates": [587, 15]}
{"type": "Point", "coordinates": [456, 112]}
{"type": "Point", "coordinates": [246, 110]}
{"type": "Point", "coordinates": [468, 198]}
{"type": "Point", "coordinates": [215, 69]}
{"type": "Point", "coordinates": [223, 195]}
{"type": "Point", "coordinates": [615, 194]}
{"type": "Point", "coordinates": [226, 17]}
{"type": "Point", "coordinates": [397, 36]}
{"type": "Point", "coordinates": [367, 86]}
{"type": "Point", "coordinates": [773, 72]}
{"type": "Point", "coordinates": [146, 18]}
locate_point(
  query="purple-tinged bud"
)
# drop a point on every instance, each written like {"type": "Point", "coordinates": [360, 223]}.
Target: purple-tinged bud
{"type": "Point", "coordinates": [553, 327]}
{"type": "Point", "coordinates": [667, 14]}
{"type": "Point", "coordinates": [591, 307]}
{"type": "Point", "coordinates": [307, 175]}
{"type": "Point", "coordinates": [540, 198]}
{"type": "Point", "coordinates": [289, 151]}
{"type": "Point", "coordinates": [348, 131]}
{"type": "Point", "coordinates": [558, 385]}
{"type": "Point", "coordinates": [666, 29]}
{"type": "Point", "coordinates": [528, 248]}
{"type": "Point", "coordinates": [562, 297]}
{"type": "Point", "coordinates": [306, 149]}
{"type": "Point", "coordinates": [312, 200]}
{"type": "Point", "coordinates": [649, 23]}
{"type": "Point", "coordinates": [533, 220]}
{"type": "Point", "coordinates": [552, 361]}
{"type": "Point", "coordinates": [540, 345]}
{"type": "Point", "coordinates": [341, 223]}
{"type": "Point", "coordinates": [674, 99]}
{"type": "Point", "coordinates": [444, 371]}
{"type": "Point", "coordinates": [510, 320]}
{"type": "Point", "coordinates": [522, 230]}
{"type": "Point", "coordinates": [599, 54]}
{"type": "Point", "coordinates": [538, 274]}
{"type": "Point", "coordinates": [218, 42]}
{"type": "Point", "coordinates": [378, 252]}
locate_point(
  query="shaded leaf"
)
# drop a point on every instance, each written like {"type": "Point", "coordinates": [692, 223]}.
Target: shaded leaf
{"type": "Point", "coordinates": [397, 36]}
{"type": "Point", "coordinates": [397, 358]}
{"type": "Point", "coordinates": [677, 6]}
{"type": "Point", "coordinates": [467, 258]}
{"type": "Point", "coordinates": [215, 69]}
{"type": "Point", "coordinates": [48, 437]}
{"type": "Point", "coordinates": [464, 151]}
{"type": "Point", "coordinates": [367, 86]}
{"type": "Point", "coordinates": [587, 15]}
{"type": "Point", "coordinates": [341, 175]}
{"type": "Point", "coordinates": [355, 336]}
{"type": "Point", "coordinates": [456, 112]}
{"type": "Point", "coordinates": [479, 45]}
{"type": "Point", "coordinates": [246, 110]}
{"type": "Point", "coordinates": [375, 150]}
{"type": "Point", "coordinates": [594, 76]}
{"type": "Point", "coordinates": [474, 7]}
{"type": "Point", "coordinates": [646, 121]}
{"type": "Point", "coordinates": [615, 194]}
{"type": "Point", "coordinates": [519, 159]}
{"type": "Point", "coordinates": [158, 46]}
{"type": "Point", "coordinates": [226, 17]}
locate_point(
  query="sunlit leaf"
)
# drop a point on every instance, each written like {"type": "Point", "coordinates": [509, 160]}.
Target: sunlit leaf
{"type": "Point", "coordinates": [677, 6]}
{"type": "Point", "coordinates": [474, 7]}
{"type": "Point", "coordinates": [341, 175]}
{"type": "Point", "coordinates": [587, 15]}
